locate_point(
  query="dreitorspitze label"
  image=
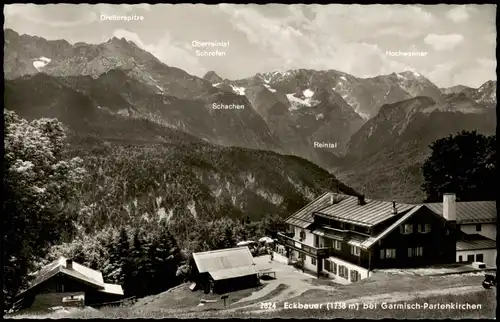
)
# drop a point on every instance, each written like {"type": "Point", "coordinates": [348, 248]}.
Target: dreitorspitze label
{"type": "Point", "coordinates": [209, 44]}
{"type": "Point", "coordinates": [325, 145]}
{"type": "Point", "coordinates": [121, 18]}
{"type": "Point", "coordinates": [221, 106]}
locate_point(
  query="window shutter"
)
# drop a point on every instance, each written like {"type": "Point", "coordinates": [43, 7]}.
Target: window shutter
{"type": "Point", "coordinates": [409, 252]}
{"type": "Point", "coordinates": [382, 253]}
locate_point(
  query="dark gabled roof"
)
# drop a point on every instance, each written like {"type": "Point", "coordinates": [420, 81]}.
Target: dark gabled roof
{"type": "Point", "coordinates": [304, 217]}
{"type": "Point", "coordinates": [476, 242]}
{"type": "Point", "coordinates": [372, 240]}
{"type": "Point", "coordinates": [371, 213]}
{"type": "Point", "coordinates": [82, 273]}
{"type": "Point", "coordinates": [470, 212]}
{"type": "Point", "coordinates": [369, 242]}
{"type": "Point", "coordinates": [225, 263]}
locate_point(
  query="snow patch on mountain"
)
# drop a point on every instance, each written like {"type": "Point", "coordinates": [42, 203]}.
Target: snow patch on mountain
{"type": "Point", "coordinates": [308, 93]}
{"type": "Point", "coordinates": [41, 62]}
{"type": "Point", "coordinates": [270, 88]}
{"type": "Point", "coordinates": [297, 102]}
{"type": "Point", "coordinates": [215, 85]}
{"type": "Point", "coordinates": [238, 90]}
{"type": "Point", "coordinates": [320, 116]}
{"type": "Point", "coordinates": [157, 86]}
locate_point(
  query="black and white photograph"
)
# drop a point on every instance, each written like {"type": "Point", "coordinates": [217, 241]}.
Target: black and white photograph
{"type": "Point", "coordinates": [250, 161]}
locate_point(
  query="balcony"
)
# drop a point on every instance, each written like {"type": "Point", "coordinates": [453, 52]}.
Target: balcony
{"type": "Point", "coordinates": [302, 247]}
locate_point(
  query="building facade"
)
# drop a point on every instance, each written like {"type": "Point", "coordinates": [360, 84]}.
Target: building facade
{"type": "Point", "coordinates": [63, 282]}
{"type": "Point", "coordinates": [224, 270]}
{"type": "Point", "coordinates": [478, 222]}
{"type": "Point", "coordinates": [346, 237]}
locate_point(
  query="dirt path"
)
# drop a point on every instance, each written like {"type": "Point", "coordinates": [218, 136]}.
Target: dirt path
{"type": "Point", "coordinates": [294, 289]}
{"type": "Point", "coordinates": [260, 293]}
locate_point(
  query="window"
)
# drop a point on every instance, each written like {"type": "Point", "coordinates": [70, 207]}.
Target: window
{"type": "Point", "coordinates": [302, 256]}
{"type": "Point", "coordinates": [302, 235]}
{"type": "Point", "coordinates": [316, 241]}
{"type": "Point", "coordinates": [355, 250]}
{"type": "Point", "coordinates": [479, 257]}
{"type": "Point", "coordinates": [478, 227]}
{"type": "Point", "coordinates": [328, 243]}
{"type": "Point", "coordinates": [342, 225]}
{"type": "Point", "coordinates": [470, 258]}
{"type": "Point", "coordinates": [382, 253]}
{"type": "Point", "coordinates": [460, 259]}
{"type": "Point", "coordinates": [331, 267]}
{"type": "Point", "coordinates": [313, 261]}
{"type": "Point", "coordinates": [406, 229]}
{"type": "Point", "coordinates": [355, 276]}
{"type": "Point", "coordinates": [415, 252]}
{"type": "Point", "coordinates": [343, 272]}
{"type": "Point", "coordinates": [424, 228]}
{"type": "Point", "coordinates": [390, 253]}
{"type": "Point", "coordinates": [337, 244]}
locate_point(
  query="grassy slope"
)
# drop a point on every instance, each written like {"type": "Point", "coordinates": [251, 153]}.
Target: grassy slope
{"type": "Point", "coordinates": [181, 302]}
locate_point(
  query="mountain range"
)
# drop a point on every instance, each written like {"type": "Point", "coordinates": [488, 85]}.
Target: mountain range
{"type": "Point", "coordinates": [286, 112]}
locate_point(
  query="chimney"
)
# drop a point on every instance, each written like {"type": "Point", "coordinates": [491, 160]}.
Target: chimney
{"type": "Point", "coordinates": [331, 199]}
{"type": "Point", "coordinates": [69, 264]}
{"type": "Point", "coordinates": [394, 209]}
{"type": "Point", "coordinates": [449, 207]}
{"type": "Point", "coordinates": [361, 200]}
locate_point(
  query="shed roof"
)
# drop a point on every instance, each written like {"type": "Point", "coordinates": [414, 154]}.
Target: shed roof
{"type": "Point", "coordinates": [472, 212]}
{"type": "Point", "coordinates": [112, 289]}
{"type": "Point", "coordinates": [228, 273]}
{"type": "Point", "coordinates": [476, 242]}
{"type": "Point", "coordinates": [223, 259]}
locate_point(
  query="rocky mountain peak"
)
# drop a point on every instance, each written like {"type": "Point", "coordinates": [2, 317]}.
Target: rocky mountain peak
{"type": "Point", "coordinates": [212, 77]}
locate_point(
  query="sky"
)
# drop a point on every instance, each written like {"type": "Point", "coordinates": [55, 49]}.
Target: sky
{"type": "Point", "coordinates": [460, 40]}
